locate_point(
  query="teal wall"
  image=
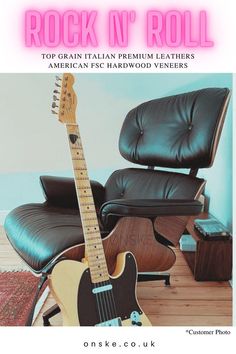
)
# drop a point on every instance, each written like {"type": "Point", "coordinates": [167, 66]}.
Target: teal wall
{"type": "Point", "coordinates": [104, 99]}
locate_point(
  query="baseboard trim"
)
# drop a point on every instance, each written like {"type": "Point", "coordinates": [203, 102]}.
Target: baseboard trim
{"type": "Point", "coordinates": [3, 214]}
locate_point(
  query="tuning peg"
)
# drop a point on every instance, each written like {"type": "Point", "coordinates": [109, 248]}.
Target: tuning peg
{"type": "Point", "coordinates": [54, 112]}
{"type": "Point", "coordinates": [57, 92]}
{"type": "Point", "coordinates": [55, 98]}
{"type": "Point", "coordinates": [57, 85]}
{"type": "Point", "coordinates": [54, 105]}
{"type": "Point", "coordinates": [58, 78]}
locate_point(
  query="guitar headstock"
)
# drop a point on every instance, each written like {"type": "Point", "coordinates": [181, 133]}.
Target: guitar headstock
{"type": "Point", "coordinates": [64, 99]}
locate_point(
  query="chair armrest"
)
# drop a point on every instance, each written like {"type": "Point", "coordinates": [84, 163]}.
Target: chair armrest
{"type": "Point", "coordinates": [111, 211]}
{"type": "Point", "coordinates": [60, 191]}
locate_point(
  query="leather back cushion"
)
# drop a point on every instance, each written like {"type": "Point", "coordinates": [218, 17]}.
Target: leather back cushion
{"type": "Point", "coordinates": [179, 131]}
{"type": "Point", "coordinates": [137, 183]}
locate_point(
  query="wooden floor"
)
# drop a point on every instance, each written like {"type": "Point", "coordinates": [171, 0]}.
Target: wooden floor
{"type": "Point", "coordinates": [184, 303]}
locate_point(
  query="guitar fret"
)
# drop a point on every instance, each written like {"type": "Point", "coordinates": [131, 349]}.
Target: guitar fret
{"type": "Point", "coordinates": [88, 219]}
{"type": "Point", "coordinates": [92, 225]}
{"type": "Point", "coordinates": [99, 276]}
{"type": "Point", "coordinates": [97, 255]}
{"type": "Point", "coordinates": [96, 279]}
{"type": "Point", "coordinates": [83, 192]}
{"type": "Point", "coordinates": [92, 233]}
{"type": "Point", "coordinates": [99, 273]}
{"type": "Point", "coordinates": [92, 238]}
{"type": "Point", "coordinates": [98, 267]}
{"type": "Point", "coordinates": [93, 250]}
{"type": "Point", "coordinates": [84, 209]}
{"type": "Point", "coordinates": [94, 257]}
{"type": "Point", "coordinates": [89, 233]}
{"type": "Point", "coordinates": [82, 178]}
{"type": "Point", "coordinates": [86, 203]}
{"type": "Point", "coordinates": [82, 187]}
{"type": "Point", "coordinates": [86, 196]}
{"type": "Point", "coordinates": [95, 241]}
{"type": "Point", "coordinates": [100, 264]}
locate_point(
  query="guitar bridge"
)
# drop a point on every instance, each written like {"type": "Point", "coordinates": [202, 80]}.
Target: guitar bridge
{"type": "Point", "coordinates": [110, 323]}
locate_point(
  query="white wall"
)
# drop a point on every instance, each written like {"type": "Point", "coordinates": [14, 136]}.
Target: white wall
{"type": "Point", "coordinates": [33, 142]}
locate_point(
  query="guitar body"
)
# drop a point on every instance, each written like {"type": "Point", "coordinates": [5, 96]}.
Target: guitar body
{"type": "Point", "coordinates": [70, 284]}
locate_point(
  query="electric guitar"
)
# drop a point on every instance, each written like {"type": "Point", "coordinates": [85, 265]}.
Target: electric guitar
{"type": "Point", "coordinates": [85, 292]}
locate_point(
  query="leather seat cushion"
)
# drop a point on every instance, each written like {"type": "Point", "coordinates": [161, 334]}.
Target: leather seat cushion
{"type": "Point", "coordinates": [39, 232]}
{"type": "Point", "coordinates": [137, 183]}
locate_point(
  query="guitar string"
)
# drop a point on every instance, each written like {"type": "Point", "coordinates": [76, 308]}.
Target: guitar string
{"type": "Point", "coordinates": [104, 304]}
{"type": "Point", "coordinates": [111, 304]}
{"type": "Point", "coordinates": [98, 305]}
{"type": "Point", "coordinates": [99, 312]}
{"type": "Point", "coordinates": [106, 308]}
{"type": "Point", "coordinates": [110, 308]}
{"type": "Point", "coordinates": [102, 298]}
{"type": "Point", "coordinates": [106, 300]}
{"type": "Point", "coordinates": [112, 300]}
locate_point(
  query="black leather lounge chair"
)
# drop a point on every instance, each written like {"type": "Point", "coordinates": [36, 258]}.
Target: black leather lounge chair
{"type": "Point", "coordinates": [146, 209]}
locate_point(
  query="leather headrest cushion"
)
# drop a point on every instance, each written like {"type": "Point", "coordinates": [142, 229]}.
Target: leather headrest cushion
{"type": "Point", "coordinates": [179, 131]}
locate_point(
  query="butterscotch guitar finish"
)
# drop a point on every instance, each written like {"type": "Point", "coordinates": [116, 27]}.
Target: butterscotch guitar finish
{"type": "Point", "coordinates": [112, 302]}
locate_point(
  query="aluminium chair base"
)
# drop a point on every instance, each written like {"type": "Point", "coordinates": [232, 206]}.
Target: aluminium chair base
{"type": "Point", "coordinates": [152, 276]}
{"type": "Point", "coordinates": [51, 312]}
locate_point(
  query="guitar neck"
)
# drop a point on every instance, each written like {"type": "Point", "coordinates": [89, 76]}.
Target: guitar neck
{"type": "Point", "coordinates": [93, 242]}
